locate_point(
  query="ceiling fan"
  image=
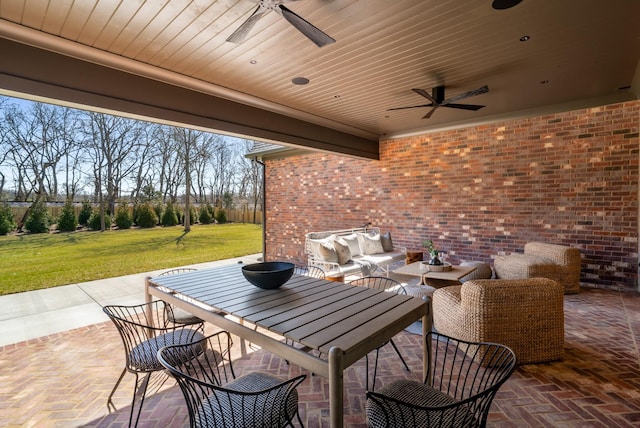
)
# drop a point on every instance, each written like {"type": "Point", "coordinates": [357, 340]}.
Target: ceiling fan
{"type": "Point", "coordinates": [264, 6]}
{"type": "Point", "coordinates": [438, 100]}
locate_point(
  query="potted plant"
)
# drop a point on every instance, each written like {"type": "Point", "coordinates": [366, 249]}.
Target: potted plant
{"type": "Point", "coordinates": [433, 252]}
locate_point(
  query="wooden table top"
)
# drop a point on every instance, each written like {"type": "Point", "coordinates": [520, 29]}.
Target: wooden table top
{"type": "Point", "coordinates": [318, 313]}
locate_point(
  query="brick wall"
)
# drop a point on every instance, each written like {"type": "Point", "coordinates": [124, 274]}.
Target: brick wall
{"type": "Point", "coordinates": [568, 178]}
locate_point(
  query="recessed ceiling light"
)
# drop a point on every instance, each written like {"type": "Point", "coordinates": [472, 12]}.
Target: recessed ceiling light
{"type": "Point", "coordinates": [505, 4]}
{"type": "Point", "coordinates": [336, 96]}
{"type": "Point", "coordinates": [524, 38]}
{"type": "Point", "coordinates": [253, 61]}
{"type": "Point", "coordinates": [299, 80]}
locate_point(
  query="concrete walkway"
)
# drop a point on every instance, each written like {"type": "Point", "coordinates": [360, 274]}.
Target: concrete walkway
{"type": "Point", "coordinates": [34, 314]}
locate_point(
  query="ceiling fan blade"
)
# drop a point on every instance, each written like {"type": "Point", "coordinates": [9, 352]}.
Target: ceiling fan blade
{"type": "Point", "coordinates": [314, 34]}
{"type": "Point", "coordinates": [430, 112]}
{"type": "Point", "coordinates": [463, 106]}
{"type": "Point", "coordinates": [403, 108]}
{"type": "Point", "coordinates": [473, 93]}
{"type": "Point", "coordinates": [425, 94]}
{"type": "Point", "coordinates": [243, 30]}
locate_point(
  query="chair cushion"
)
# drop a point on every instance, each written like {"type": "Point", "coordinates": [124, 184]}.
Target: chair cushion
{"type": "Point", "coordinates": [180, 316]}
{"type": "Point", "coordinates": [144, 357]}
{"type": "Point", "coordinates": [421, 395]}
{"type": "Point", "coordinates": [246, 411]}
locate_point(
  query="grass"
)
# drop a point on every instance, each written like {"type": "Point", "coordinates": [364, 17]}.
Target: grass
{"type": "Point", "coordinates": [32, 262]}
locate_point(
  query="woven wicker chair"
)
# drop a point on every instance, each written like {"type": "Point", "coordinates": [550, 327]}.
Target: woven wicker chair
{"type": "Point", "coordinates": [545, 261]}
{"type": "Point", "coordinates": [525, 314]}
{"type": "Point", "coordinates": [216, 398]}
{"type": "Point", "coordinates": [462, 381]}
{"type": "Point", "coordinates": [179, 315]}
{"type": "Point", "coordinates": [142, 338]}
{"type": "Point", "coordinates": [382, 283]}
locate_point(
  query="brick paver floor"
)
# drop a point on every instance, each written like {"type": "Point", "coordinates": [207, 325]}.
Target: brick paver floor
{"type": "Point", "coordinates": [63, 380]}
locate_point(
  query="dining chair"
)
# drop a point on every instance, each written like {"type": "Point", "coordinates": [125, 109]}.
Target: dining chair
{"type": "Point", "coordinates": [179, 315]}
{"type": "Point", "coordinates": [382, 283]}
{"type": "Point", "coordinates": [216, 398]}
{"type": "Point", "coordinates": [145, 329]}
{"type": "Point", "coordinates": [311, 271]}
{"type": "Point", "coordinates": [462, 380]}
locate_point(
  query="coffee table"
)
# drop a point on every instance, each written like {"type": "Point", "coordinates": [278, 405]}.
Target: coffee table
{"type": "Point", "coordinates": [433, 278]}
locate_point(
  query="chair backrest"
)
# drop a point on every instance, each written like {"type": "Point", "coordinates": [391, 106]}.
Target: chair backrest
{"type": "Point", "coordinates": [251, 400]}
{"type": "Point", "coordinates": [311, 271]}
{"type": "Point", "coordinates": [465, 377]}
{"type": "Point", "coordinates": [144, 329]}
{"type": "Point", "coordinates": [380, 283]}
{"type": "Point", "coordinates": [177, 270]}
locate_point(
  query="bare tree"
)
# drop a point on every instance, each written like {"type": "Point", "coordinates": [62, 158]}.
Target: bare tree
{"type": "Point", "coordinates": [113, 141]}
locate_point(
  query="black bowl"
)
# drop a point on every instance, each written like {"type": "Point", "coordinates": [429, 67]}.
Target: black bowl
{"type": "Point", "coordinates": [268, 275]}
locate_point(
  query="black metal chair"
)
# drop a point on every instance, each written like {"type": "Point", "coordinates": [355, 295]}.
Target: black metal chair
{"type": "Point", "coordinates": [382, 283]}
{"type": "Point", "coordinates": [145, 329]}
{"type": "Point", "coordinates": [216, 398]}
{"type": "Point", "coordinates": [179, 315]}
{"type": "Point", "coordinates": [462, 381]}
{"type": "Point", "coordinates": [311, 271]}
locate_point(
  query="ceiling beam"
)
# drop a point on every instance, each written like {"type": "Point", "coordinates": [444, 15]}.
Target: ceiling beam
{"type": "Point", "coordinates": [27, 69]}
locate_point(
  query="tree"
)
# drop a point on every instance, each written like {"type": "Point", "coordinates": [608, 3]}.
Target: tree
{"type": "Point", "coordinates": [114, 143]}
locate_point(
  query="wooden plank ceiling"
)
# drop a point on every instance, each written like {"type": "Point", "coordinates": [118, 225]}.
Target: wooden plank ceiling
{"type": "Point", "coordinates": [578, 53]}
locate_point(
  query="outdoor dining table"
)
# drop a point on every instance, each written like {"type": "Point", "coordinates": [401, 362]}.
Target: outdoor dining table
{"type": "Point", "coordinates": [341, 321]}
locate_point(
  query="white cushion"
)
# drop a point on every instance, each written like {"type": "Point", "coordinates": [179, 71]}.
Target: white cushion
{"type": "Point", "coordinates": [354, 246]}
{"type": "Point", "coordinates": [342, 250]}
{"type": "Point", "coordinates": [316, 243]}
{"type": "Point", "coordinates": [328, 252]}
{"type": "Point", "coordinates": [370, 244]}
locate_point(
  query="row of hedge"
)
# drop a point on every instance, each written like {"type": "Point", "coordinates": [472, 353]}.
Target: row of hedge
{"type": "Point", "coordinates": [142, 215]}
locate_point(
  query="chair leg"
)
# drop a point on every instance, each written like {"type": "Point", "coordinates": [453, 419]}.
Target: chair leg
{"type": "Point", "coordinates": [110, 404]}
{"type": "Point", "coordinates": [139, 390]}
{"type": "Point", "coordinates": [400, 355]}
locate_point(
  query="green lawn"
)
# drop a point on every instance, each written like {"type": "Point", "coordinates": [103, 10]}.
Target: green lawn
{"type": "Point", "coordinates": [31, 262]}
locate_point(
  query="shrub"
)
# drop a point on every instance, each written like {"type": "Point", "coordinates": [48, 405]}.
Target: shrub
{"type": "Point", "coordinates": [123, 217]}
{"type": "Point", "coordinates": [38, 220]}
{"type": "Point", "coordinates": [193, 215]}
{"type": "Point", "coordinates": [7, 222]}
{"type": "Point", "coordinates": [221, 216]}
{"type": "Point", "coordinates": [94, 221]}
{"type": "Point", "coordinates": [67, 221]}
{"type": "Point", "coordinates": [169, 217]}
{"type": "Point", "coordinates": [205, 215]}
{"type": "Point", "coordinates": [158, 211]}
{"type": "Point", "coordinates": [85, 213]}
{"type": "Point", "coordinates": [146, 216]}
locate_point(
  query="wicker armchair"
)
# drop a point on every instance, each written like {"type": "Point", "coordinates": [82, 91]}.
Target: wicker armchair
{"type": "Point", "coordinates": [216, 398]}
{"type": "Point", "coordinates": [462, 381]}
{"type": "Point", "coordinates": [542, 260]}
{"type": "Point", "coordinates": [527, 315]}
{"type": "Point", "coordinates": [145, 329]}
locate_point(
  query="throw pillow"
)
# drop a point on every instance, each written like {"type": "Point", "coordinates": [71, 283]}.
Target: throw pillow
{"type": "Point", "coordinates": [315, 244]}
{"type": "Point", "coordinates": [343, 251]}
{"type": "Point", "coordinates": [354, 246]}
{"type": "Point", "coordinates": [370, 244]}
{"type": "Point", "coordinates": [328, 252]}
{"type": "Point", "coordinates": [387, 244]}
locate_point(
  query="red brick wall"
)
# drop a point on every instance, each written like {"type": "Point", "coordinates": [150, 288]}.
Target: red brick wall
{"type": "Point", "coordinates": [568, 178]}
